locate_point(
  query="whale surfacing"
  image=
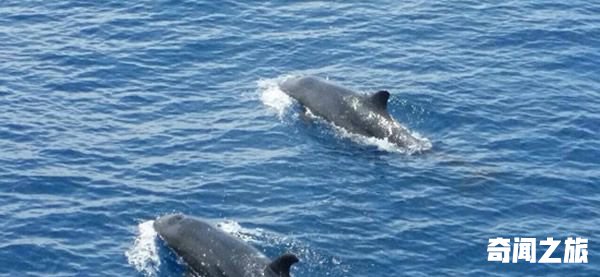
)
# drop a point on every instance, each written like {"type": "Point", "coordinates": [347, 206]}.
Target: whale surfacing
{"type": "Point", "coordinates": [357, 113]}
{"type": "Point", "coordinates": [209, 251]}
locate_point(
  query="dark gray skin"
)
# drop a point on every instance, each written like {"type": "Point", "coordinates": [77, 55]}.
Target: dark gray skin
{"type": "Point", "coordinates": [209, 251]}
{"type": "Point", "coordinates": [357, 113]}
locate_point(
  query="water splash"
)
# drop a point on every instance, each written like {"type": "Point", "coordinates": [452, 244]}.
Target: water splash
{"type": "Point", "coordinates": [420, 143]}
{"type": "Point", "coordinates": [273, 97]}
{"type": "Point", "coordinates": [234, 228]}
{"type": "Point", "coordinates": [144, 253]}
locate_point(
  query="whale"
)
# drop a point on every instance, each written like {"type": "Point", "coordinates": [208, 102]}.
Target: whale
{"type": "Point", "coordinates": [362, 114]}
{"type": "Point", "coordinates": [208, 251]}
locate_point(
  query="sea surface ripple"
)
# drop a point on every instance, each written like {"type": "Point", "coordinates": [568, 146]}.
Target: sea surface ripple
{"type": "Point", "coordinates": [116, 112]}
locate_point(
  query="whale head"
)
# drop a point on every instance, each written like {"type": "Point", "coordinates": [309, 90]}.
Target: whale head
{"type": "Point", "coordinates": [169, 227]}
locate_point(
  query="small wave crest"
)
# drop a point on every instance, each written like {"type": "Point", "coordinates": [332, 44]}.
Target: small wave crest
{"type": "Point", "coordinates": [144, 253]}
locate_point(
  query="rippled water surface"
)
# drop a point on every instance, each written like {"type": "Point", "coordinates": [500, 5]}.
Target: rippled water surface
{"type": "Point", "coordinates": [116, 112]}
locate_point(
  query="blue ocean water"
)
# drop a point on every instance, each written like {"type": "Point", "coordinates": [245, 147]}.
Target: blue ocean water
{"type": "Point", "coordinates": [116, 112]}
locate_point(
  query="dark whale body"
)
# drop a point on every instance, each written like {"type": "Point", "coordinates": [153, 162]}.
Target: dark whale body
{"type": "Point", "coordinates": [209, 251]}
{"type": "Point", "coordinates": [357, 113]}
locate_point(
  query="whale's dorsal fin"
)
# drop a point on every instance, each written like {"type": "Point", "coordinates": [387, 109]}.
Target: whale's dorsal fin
{"type": "Point", "coordinates": [281, 266]}
{"type": "Point", "coordinates": [380, 99]}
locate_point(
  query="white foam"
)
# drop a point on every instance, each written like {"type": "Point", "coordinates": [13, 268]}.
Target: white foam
{"type": "Point", "coordinates": [272, 96]}
{"type": "Point", "coordinates": [234, 228]}
{"type": "Point", "coordinates": [144, 253]}
{"type": "Point", "coordinates": [422, 144]}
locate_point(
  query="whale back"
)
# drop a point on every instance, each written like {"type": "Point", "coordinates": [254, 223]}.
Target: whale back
{"type": "Point", "coordinates": [211, 252]}
{"type": "Point", "coordinates": [364, 114]}
{"type": "Point", "coordinates": [316, 94]}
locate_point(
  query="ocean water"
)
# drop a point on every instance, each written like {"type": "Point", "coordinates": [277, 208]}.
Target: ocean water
{"type": "Point", "coordinates": [116, 112]}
